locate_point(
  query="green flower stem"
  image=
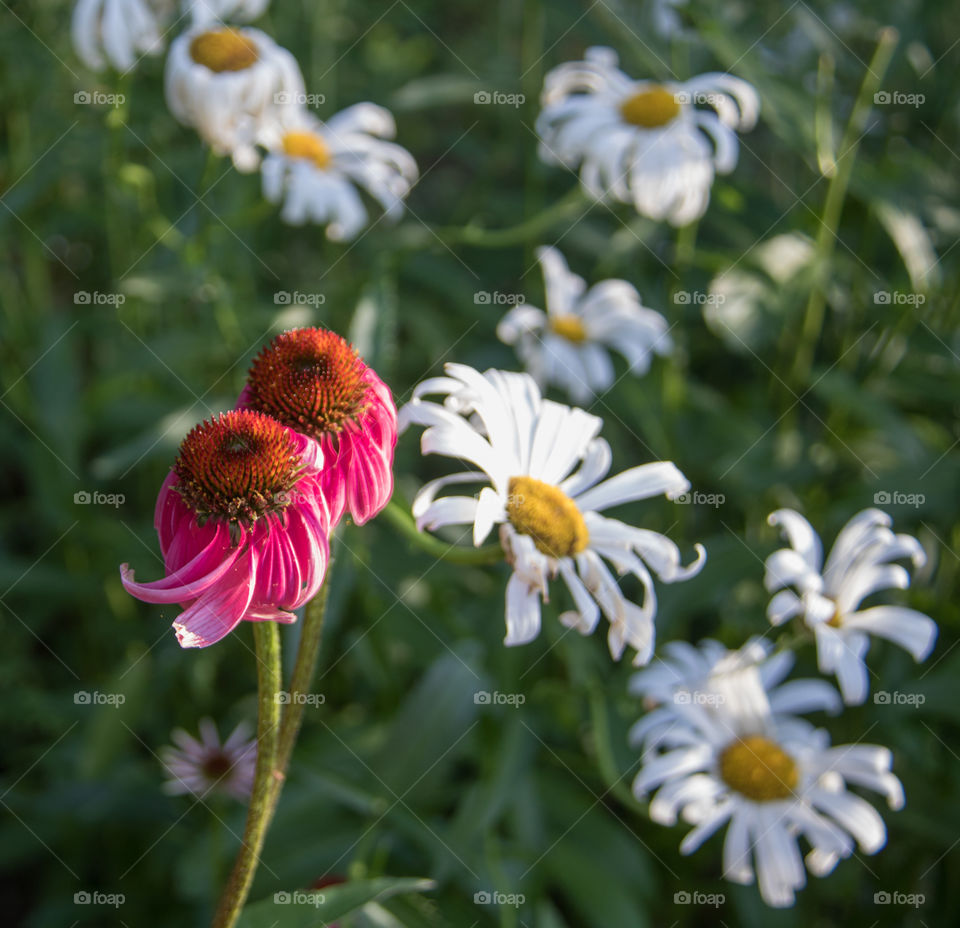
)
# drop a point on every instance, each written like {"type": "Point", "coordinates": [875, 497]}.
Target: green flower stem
{"type": "Point", "coordinates": [575, 201]}
{"type": "Point", "coordinates": [833, 205]}
{"type": "Point", "coordinates": [604, 749]}
{"type": "Point", "coordinates": [303, 670]}
{"type": "Point", "coordinates": [401, 519]}
{"type": "Point", "coordinates": [267, 639]}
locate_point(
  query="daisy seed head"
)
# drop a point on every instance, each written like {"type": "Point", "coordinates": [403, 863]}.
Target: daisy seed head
{"type": "Point", "coordinates": [569, 326]}
{"type": "Point", "coordinates": [311, 380]}
{"type": "Point", "coordinates": [759, 769]}
{"type": "Point", "coordinates": [548, 516]}
{"type": "Point", "coordinates": [237, 467]}
{"type": "Point", "coordinates": [650, 108]}
{"type": "Point", "coordinates": [224, 50]}
{"type": "Point", "coordinates": [307, 145]}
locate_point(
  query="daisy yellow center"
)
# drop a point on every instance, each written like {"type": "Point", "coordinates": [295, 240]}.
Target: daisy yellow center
{"type": "Point", "coordinates": [651, 108]}
{"type": "Point", "coordinates": [836, 620]}
{"type": "Point", "coordinates": [548, 516]}
{"type": "Point", "coordinates": [224, 50]}
{"type": "Point", "coordinates": [307, 145]}
{"type": "Point", "coordinates": [759, 769]}
{"type": "Point", "coordinates": [568, 326]}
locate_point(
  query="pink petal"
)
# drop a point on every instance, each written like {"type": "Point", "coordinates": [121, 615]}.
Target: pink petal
{"type": "Point", "coordinates": [219, 610]}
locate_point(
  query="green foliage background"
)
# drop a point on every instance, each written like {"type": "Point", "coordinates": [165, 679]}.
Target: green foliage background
{"type": "Point", "coordinates": [400, 772]}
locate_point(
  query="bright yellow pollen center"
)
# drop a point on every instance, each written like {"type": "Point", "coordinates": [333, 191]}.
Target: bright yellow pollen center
{"type": "Point", "coordinates": [759, 769]}
{"type": "Point", "coordinates": [224, 50]}
{"type": "Point", "coordinates": [548, 516]}
{"type": "Point", "coordinates": [650, 109]}
{"type": "Point", "coordinates": [569, 327]}
{"type": "Point", "coordinates": [307, 145]}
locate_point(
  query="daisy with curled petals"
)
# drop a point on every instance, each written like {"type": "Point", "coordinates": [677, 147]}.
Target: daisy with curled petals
{"type": "Point", "coordinates": [641, 142]}
{"type": "Point", "coordinates": [545, 467]}
{"type": "Point", "coordinates": [207, 766]}
{"type": "Point", "coordinates": [316, 169]}
{"type": "Point", "coordinates": [827, 597]}
{"type": "Point", "coordinates": [313, 381]}
{"type": "Point", "coordinates": [742, 761]}
{"type": "Point", "coordinates": [226, 82]}
{"type": "Point", "coordinates": [243, 527]}
{"type": "Point", "coordinates": [567, 345]}
{"type": "Point", "coordinates": [118, 32]}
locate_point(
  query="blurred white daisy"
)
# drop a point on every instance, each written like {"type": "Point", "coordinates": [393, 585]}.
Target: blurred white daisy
{"type": "Point", "coordinates": [742, 761]}
{"type": "Point", "coordinates": [567, 345]}
{"type": "Point", "coordinates": [827, 596]}
{"type": "Point", "coordinates": [641, 142]}
{"type": "Point", "coordinates": [315, 168]}
{"type": "Point", "coordinates": [220, 11]}
{"type": "Point", "coordinates": [118, 32]}
{"type": "Point", "coordinates": [227, 83]}
{"type": "Point", "coordinates": [207, 766]}
{"type": "Point", "coordinates": [528, 450]}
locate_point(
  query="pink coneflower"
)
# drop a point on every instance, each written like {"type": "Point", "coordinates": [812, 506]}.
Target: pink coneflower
{"type": "Point", "coordinates": [243, 527]}
{"type": "Point", "coordinates": [313, 381]}
{"type": "Point", "coordinates": [207, 766]}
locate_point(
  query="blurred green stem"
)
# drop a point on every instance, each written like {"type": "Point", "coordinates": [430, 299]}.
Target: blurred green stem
{"type": "Point", "coordinates": [833, 205]}
{"type": "Point", "coordinates": [401, 519]}
{"type": "Point", "coordinates": [604, 749]}
{"type": "Point", "coordinates": [267, 639]}
{"type": "Point", "coordinates": [566, 206]}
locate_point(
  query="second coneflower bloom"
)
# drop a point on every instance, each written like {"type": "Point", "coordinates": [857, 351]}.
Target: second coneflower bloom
{"type": "Point", "coordinates": [313, 381]}
{"type": "Point", "coordinates": [243, 527]}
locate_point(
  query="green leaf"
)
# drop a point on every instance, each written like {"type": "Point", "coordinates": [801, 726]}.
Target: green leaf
{"type": "Point", "coordinates": [296, 910]}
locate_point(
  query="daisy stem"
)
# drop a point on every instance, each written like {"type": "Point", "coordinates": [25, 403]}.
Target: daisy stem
{"type": "Point", "coordinates": [833, 204]}
{"type": "Point", "coordinates": [401, 519]}
{"type": "Point", "coordinates": [526, 231]}
{"type": "Point", "coordinates": [267, 639]}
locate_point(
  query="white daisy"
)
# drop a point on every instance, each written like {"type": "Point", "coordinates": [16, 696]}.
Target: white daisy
{"type": "Point", "coordinates": [219, 11]}
{"type": "Point", "coordinates": [567, 344]}
{"type": "Point", "coordinates": [643, 142]}
{"type": "Point", "coordinates": [205, 766]}
{"type": "Point", "coordinates": [118, 32]}
{"type": "Point", "coordinates": [227, 83]}
{"type": "Point", "coordinates": [743, 761]}
{"type": "Point", "coordinates": [316, 167]}
{"type": "Point", "coordinates": [827, 597]}
{"type": "Point", "coordinates": [528, 450]}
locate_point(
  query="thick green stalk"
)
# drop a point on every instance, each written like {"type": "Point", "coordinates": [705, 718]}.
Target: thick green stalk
{"type": "Point", "coordinates": [267, 639]}
{"type": "Point", "coordinates": [456, 554]}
